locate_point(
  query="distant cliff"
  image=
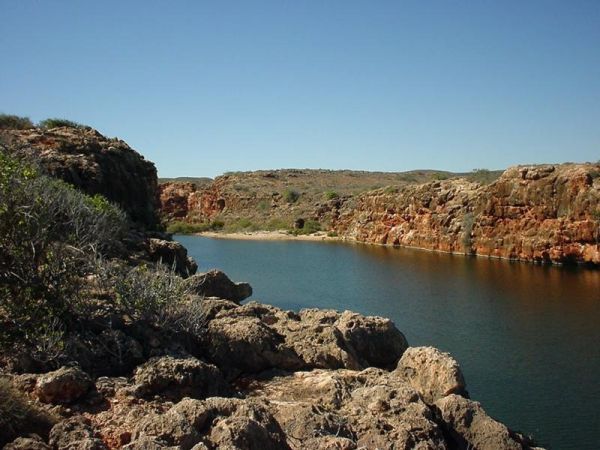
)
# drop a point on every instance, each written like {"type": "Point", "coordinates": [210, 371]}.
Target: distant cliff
{"type": "Point", "coordinates": [547, 213]}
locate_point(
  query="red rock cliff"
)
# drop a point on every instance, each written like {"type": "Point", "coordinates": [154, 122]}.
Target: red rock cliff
{"type": "Point", "coordinates": [536, 213]}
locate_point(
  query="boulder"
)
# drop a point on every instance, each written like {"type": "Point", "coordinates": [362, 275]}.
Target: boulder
{"type": "Point", "coordinates": [350, 409]}
{"type": "Point", "coordinates": [255, 337]}
{"type": "Point", "coordinates": [64, 385]}
{"type": "Point", "coordinates": [468, 426]}
{"type": "Point", "coordinates": [75, 433]}
{"type": "Point", "coordinates": [216, 284]}
{"type": "Point", "coordinates": [432, 373]}
{"type": "Point", "coordinates": [178, 378]}
{"type": "Point", "coordinates": [172, 254]}
{"type": "Point", "coordinates": [213, 423]}
{"type": "Point", "coordinates": [33, 442]}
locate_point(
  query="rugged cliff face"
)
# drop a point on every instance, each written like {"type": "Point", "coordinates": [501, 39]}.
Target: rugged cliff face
{"type": "Point", "coordinates": [548, 213]}
{"type": "Point", "coordinates": [95, 164]}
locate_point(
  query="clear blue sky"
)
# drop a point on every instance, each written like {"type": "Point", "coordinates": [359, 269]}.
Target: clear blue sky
{"type": "Point", "coordinates": [205, 87]}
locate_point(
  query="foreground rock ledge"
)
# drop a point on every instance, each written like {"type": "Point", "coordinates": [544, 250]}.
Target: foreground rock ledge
{"type": "Point", "coordinates": [272, 379]}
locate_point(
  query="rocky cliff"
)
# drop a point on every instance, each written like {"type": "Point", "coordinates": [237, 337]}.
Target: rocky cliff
{"type": "Point", "coordinates": [95, 164]}
{"type": "Point", "coordinates": [548, 213]}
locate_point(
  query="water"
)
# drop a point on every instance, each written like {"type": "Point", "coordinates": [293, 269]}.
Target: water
{"type": "Point", "coordinates": [526, 336]}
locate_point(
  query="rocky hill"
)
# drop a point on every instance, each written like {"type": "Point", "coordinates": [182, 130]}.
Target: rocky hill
{"type": "Point", "coordinates": [140, 358]}
{"type": "Point", "coordinates": [94, 163]}
{"type": "Point", "coordinates": [547, 213]}
{"type": "Point", "coordinates": [276, 199]}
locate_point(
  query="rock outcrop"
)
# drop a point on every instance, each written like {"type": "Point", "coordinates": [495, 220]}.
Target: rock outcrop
{"type": "Point", "coordinates": [64, 385]}
{"type": "Point", "coordinates": [95, 164]}
{"type": "Point", "coordinates": [216, 284]}
{"type": "Point", "coordinates": [531, 213]}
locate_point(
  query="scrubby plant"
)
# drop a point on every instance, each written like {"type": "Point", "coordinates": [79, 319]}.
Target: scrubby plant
{"type": "Point", "coordinates": [49, 235]}
{"type": "Point", "coordinates": [330, 195]}
{"type": "Point", "coordinates": [241, 224]}
{"type": "Point", "coordinates": [147, 292]}
{"type": "Point", "coordinates": [291, 195]}
{"type": "Point", "coordinates": [179, 227]}
{"type": "Point", "coordinates": [310, 226]}
{"type": "Point", "coordinates": [56, 122]}
{"type": "Point", "coordinates": [9, 121]}
{"type": "Point", "coordinates": [467, 226]}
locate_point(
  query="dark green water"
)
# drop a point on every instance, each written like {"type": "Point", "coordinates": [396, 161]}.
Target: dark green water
{"type": "Point", "coordinates": [526, 336]}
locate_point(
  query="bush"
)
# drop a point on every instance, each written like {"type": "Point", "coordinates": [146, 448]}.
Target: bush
{"type": "Point", "coordinates": [291, 196]}
{"type": "Point", "coordinates": [242, 224]}
{"type": "Point", "coordinates": [8, 121]}
{"type": "Point", "coordinates": [55, 123]}
{"type": "Point", "coordinates": [49, 236]}
{"type": "Point", "coordinates": [17, 417]}
{"type": "Point", "coordinates": [310, 227]}
{"type": "Point", "coordinates": [147, 293]}
{"type": "Point", "coordinates": [190, 228]}
{"type": "Point", "coordinates": [330, 195]}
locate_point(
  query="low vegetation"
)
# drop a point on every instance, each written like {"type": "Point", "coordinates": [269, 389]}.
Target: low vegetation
{"type": "Point", "coordinates": [180, 227]}
{"type": "Point", "coordinates": [9, 121]}
{"type": "Point", "coordinates": [58, 266]}
{"type": "Point", "coordinates": [55, 123]}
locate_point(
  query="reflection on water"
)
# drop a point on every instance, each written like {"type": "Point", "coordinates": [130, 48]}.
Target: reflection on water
{"type": "Point", "coordinates": [527, 336]}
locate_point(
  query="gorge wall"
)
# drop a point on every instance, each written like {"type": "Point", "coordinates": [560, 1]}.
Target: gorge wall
{"type": "Point", "coordinates": [545, 213]}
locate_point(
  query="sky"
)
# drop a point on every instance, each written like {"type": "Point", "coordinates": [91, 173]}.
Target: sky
{"type": "Point", "coordinates": [201, 88]}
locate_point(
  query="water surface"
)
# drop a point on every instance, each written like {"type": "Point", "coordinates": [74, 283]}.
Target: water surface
{"type": "Point", "coordinates": [526, 336]}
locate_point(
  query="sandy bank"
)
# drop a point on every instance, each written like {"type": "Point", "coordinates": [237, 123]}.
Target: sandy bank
{"type": "Point", "coordinates": [269, 236]}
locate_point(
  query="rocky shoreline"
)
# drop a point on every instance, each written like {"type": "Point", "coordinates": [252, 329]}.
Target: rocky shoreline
{"type": "Point", "coordinates": [201, 370]}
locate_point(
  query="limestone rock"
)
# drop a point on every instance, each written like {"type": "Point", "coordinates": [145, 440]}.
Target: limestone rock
{"type": "Point", "coordinates": [95, 164]}
{"type": "Point", "coordinates": [469, 426]}
{"type": "Point", "coordinates": [75, 433]}
{"type": "Point", "coordinates": [367, 409]}
{"type": "Point", "coordinates": [64, 385]}
{"type": "Point", "coordinates": [216, 284]}
{"type": "Point", "coordinates": [432, 373]}
{"type": "Point", "coordinates": [178, 378]}
{"type": "Point", "coordinates": [172, 254]}
{"type": "Point", "coordinates": [255, 337]}
{"type": "Point", "coordinates": [33, 442]}
{"type": "Point", "coordinates": [215, 423]}
{"type": "Point", "coordinates": [531, 213]}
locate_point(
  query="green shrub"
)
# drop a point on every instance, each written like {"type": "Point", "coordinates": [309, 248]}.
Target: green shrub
{"type": "Point", "coordinates": [9, 121]}
{"type": "Point", "coordinates": [242, 224]}
{"type": "Point", "coordinates": [146, 293]}
{"type": "Point", "coordinates": [18, 417]}
{"type": "Point", "coordinates": [190, 228]}
{"type": "Point", "coordinates": [439, 176]}
{"type": "Point", "coordinates": [310, 227]}
{"type": "Point", "coordinates": [330, 195]}
{"type": "Point", "coordinates": [391, 190]}
{"type": "Point", "coordinates": [467, 225]}
{"type": "Point", "coordinates": [50, 234]}
{"type": "Point", "coordinates": [291, 196]}
{"type": "Point", "coordinates": [55, 123]}
{"type": "Point", "coordinates": [277, 224]}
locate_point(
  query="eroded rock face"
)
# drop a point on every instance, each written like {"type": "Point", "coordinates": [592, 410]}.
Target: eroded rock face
{"type": "Point", "coordinates": [214, 423]}
{"type": "Point", "coordinates": [216, 284]}
{"type": "Point", "coordinates": [174, 199]}
{"type": "Point", "coordinates": [470, 427]}
{"type": "Point", "coordinates": [28, 443]}
{"type": "Point", "coordinates": [95, 164]}
{"type": "Point", "coordinates": [432, 373]}
{"type": "Point", "coordinates": [179, 377]}
{"type": "Point", "coordinates": [64, 385]}
{"type": "Point", "coordinates": [368, 409]}
{"type": "Point", "coordinates": [172, 254]}
{"type": "Point", "coordinates": [256, 337]}
{"type": "Point", "coordinates": [75, 433]}
{"type": "Point", "coordinates": [531, 213]}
